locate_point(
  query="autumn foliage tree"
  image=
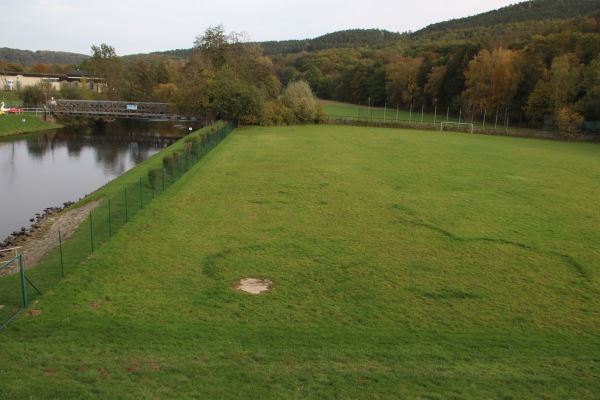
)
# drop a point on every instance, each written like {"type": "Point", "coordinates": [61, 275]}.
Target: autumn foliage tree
{"type": "Point", "coordinates": [559, 87]}
{"type": "Point", "coordinates": [105, 64]}
{"type": "Point", "coordinates": [536, 61]}
{"type": "Point", "coordinates": [228, 75]}
{"type": "Point", "coordinates": [299, 97]}
{"type": "Point", "coordinates": [492, 79]}
{"type": "Point", "coordinates": [236, 99]}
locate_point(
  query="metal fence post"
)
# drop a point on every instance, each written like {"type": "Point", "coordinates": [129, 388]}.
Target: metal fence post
{"type": "Point", "coordinates": [109, 221]}
{"type": "Point", "coordinates": [91, 232]}
{"type": "Point", "coordinates": [141, 198]}
{"type": "Point", "coordinates": [23, 282]}
{"type": "Point", "coordinates": [62, 266]}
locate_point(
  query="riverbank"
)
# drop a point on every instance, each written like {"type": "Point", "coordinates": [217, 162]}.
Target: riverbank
{"type": "Point", "coordinates": [16, 124]}
{"type": "Point", "coordinates": [37, 242]}
{"type": "Point", "coordinates": [442, 265]}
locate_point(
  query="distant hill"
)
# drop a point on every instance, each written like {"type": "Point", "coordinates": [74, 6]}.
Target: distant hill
{"type": "Point", "coordinates": [180, 55]}
{"type": "Point", "coordinates": [528, 11]}
{"type": "Point", "coordinates": [351, 38]}
{"type": "Point", "coordinates": [27, 58]}
{"type": "Point", "coordinates": [517, 20]}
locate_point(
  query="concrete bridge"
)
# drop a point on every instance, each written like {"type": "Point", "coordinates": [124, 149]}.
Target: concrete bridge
{"type": "Point", "coordinates": [115, 109]}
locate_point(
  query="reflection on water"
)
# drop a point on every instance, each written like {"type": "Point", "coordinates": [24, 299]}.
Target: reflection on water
{"type": "Point", "coordinates": [66, 164]}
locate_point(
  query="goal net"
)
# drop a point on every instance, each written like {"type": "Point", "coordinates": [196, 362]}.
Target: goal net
{"type": "Point", "coordinates": [466, 125]}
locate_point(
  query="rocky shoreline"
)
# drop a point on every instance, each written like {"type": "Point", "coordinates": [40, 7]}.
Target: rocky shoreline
{"type": "Point", "coordinates": [37, 242]}
{"type": "Point", "coordinates": [20, 236]}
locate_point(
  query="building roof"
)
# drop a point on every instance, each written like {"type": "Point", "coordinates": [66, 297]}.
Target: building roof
{"type": "Point", "coordinates": [75, 74]}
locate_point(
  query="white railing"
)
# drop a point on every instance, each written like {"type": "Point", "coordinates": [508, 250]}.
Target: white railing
{"type": "Point", "coordinates": [35, 110]}
{"type": "Point", "coordinates": [21, 110]}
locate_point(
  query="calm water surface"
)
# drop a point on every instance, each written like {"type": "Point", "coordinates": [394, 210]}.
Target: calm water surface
{"type": "Point", "coordinates": [65, 164]}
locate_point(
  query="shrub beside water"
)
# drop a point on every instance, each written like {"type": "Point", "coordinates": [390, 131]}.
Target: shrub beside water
{"type": "Point", "coordinates": [168, 164]}
{"type": "Point", "coordinates": [191, 144]}
{"type": "Point", "coordinates": [152, 176]}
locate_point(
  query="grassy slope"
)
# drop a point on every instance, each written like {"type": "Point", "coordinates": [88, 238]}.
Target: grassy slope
{"type": "Point", "coordinates": [406, 263]}
{"type": "Point", "coordinates": [12, 124]}
{"type": "Point", "coordinates": [390, 114]}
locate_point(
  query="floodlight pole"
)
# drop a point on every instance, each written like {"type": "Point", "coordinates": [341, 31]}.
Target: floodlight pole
{"type": "Point", "coordinates": [484, 111]}
{"type": "Point", "coordinates": [496, 124]}
{"type": "Point", "coordinates": [410, 114]}
{"type": "Point", "coordinates": [422, 111]}
{"type": "Point", "coordinates": [384, 111]}
{"type": "Point", "coordinates": [435, 112]}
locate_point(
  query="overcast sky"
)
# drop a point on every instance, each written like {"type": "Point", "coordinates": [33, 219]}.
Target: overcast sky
{"type": "Point", "coordinates": [144, 26]}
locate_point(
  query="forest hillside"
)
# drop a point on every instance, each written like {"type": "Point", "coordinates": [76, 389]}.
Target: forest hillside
{"type": "Point", "coordinates": [538, 62]}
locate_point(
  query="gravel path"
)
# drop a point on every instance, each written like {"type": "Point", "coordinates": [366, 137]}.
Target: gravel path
{"type": "Point", "coordinates": [36, 248]}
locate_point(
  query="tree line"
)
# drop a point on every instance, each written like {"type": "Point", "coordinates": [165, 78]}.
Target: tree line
{"type": "Point", "coordinates": [550, 75]}
{"type": "Point", "coordinates": [545, 72]}
{"type": "Point", "coordinates": [224, 72]}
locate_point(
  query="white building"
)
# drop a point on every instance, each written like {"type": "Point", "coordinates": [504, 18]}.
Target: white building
{"type": "Point", "coordinates": [10, 81]}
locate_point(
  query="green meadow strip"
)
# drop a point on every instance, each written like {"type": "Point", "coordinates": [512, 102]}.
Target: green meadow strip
{"type": "Point", "coordinates": [119, 201]}
{"type": "Point", "coordinates": [12, 124]}
{"type": "Point", "coordinates": [404, 263]}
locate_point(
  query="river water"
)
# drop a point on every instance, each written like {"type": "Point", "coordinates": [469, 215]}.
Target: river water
{"type": "Point", "coordinates": [60, 165]}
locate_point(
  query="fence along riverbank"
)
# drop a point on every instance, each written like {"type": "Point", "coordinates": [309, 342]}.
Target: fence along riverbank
{"type": "Point", "coordinates": [21, 283]}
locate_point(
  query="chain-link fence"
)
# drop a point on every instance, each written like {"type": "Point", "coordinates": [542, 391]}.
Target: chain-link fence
{"type": "Point", "coordinates": [95, 227]}
{"type": "Point", "coordinates": [13, 289]}
{"type": "Point", "coordinates": [496, 122]}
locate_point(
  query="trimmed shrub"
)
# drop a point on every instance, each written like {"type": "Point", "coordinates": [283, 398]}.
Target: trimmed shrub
{"type": "Point", "coordinates": [152, 176]}
{"type": "Point", "coordinates": [168, 162]}
{"type": "Point", "coordinates": [191, 144]}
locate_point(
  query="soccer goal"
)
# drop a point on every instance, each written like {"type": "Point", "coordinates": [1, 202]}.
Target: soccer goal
{"type": "Point", "coordinates": [457, 124]}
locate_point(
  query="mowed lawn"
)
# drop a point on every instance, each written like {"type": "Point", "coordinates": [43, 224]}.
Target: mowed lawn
{"type": "Point", "coordinates": [12, 124]}
{"type": "Point", "coordinates": [406, 264]}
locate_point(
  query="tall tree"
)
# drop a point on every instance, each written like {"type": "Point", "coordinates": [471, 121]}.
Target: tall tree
{"type": "Point", "coordinates": [194, 85]}
{"type": "Point", "coordinates": [221, 71]}
{"type": "Point", "coordinates": [215, 43]}
{"type": "Point", "coordinates": [105, 64]}
{"type": "Point", "coordinates": [235, 99]}
{"type": "Point", "coordinates": [559, 87]}
{"type": "Point", "coordinates": [453, 83]}
{"type": "Point", "coordinates": [589, 104]}
{"type": "Point", "coordinates": [564, 80]}
{"type": "Point", "coordinates": [402, 77]}
{"type": "Point", "coordinates": [491, 80]}
{"type": "Point", "coordinates": [435, 79]}
{"type": "Point", "coordinates": [141, 79]}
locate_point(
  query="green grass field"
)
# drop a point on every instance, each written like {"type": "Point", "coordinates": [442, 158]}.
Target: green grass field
{"type": "Point", "coordinates": [364, 112]}
{"type": "Point", "coordinates": [407, 264]}
{"type": "Point", "coordinates": [12, 124]}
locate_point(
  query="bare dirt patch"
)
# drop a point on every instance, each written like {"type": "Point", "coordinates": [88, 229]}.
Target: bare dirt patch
{"type": "Point", "coordinates": [254, 285]}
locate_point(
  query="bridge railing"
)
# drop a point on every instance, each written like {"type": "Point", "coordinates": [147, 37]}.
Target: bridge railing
{"type": "Point", "coordinates": [120, 109]}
